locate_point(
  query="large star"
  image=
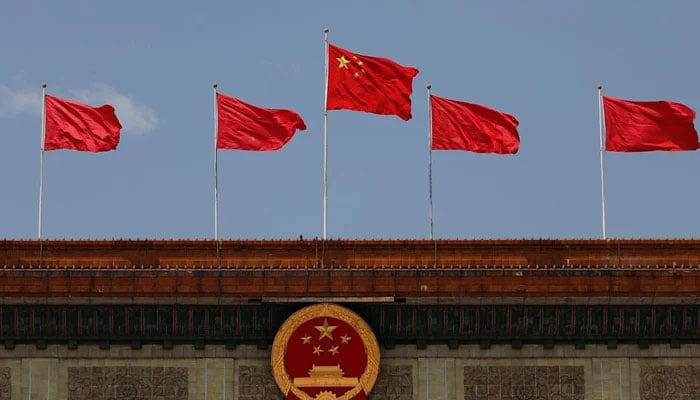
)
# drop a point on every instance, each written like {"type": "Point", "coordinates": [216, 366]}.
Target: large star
{"type": "Point", "coordinates": [343, 62]}
{"type": "Point", "coordinates": [325, 330]}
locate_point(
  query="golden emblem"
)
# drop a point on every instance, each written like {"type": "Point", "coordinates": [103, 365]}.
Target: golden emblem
{"type": "Point", "coordinates": [327, 363]}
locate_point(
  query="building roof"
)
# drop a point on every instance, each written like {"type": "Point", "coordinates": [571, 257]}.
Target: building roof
{"type": "Point", "coordinates": [303, 269]}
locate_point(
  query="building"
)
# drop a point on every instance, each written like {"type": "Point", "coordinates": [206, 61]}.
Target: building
{"type": "Point", "coordinates": [455, 319]}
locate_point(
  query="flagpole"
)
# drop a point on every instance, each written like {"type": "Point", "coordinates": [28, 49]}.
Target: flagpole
{"type": "Point", "coordinates": [216, 168]}
{"type": "Point", "coordinates": [430, 161]}
{"type": "Point", "coordinates": [41, 162]}
{"type": "Point", "coordinates": [325, 141]}
{"type": "Point", "coordinates": [602, 150]}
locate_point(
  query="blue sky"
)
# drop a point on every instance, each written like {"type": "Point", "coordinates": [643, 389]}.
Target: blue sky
{"type": "Point", "coordinates": [155, 61]}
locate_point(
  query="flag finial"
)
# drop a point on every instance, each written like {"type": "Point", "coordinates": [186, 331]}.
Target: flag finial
{"type": "Point", "coordinates": [600, 87]}
{"type": "Point", "coordinates": [215, 85]}
{"type": "Point", "coordinates": [428, 86]}
{"type": "Point", "coordinates": [325, 30]}
{"type": "Point", "coordinates": [43, 85]}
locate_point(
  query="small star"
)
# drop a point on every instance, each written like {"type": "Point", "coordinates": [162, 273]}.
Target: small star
{"type": "Point", "coordinates": [360, 63]}
{"type": "Point", "coordinates": [334, 350]}
{"type": "Point", "coordinates": [317, 350]}
{"type": "Point", "coordinates": [345, 339]}
{"type": "Point", "coordinates": [306, 339]}
{"type": "Point", "coordinates": [356, 75]}
{"type": "Point", "coordinates": [325, 330]}
{"type": "Point", "coordinates": [343, 62]}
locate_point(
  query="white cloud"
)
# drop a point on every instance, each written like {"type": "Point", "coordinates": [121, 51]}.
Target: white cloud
{"type": "Point", "coordinates": [15, 102]}
{"type": "Point", "coordinates": [134, 116]}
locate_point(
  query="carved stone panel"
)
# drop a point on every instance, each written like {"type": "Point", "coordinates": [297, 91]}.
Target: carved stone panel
{"type": "Point", "coordinates": [524, 383]}
{"type": "Point", "coordinates": [127, 383]}
{"type": "Point", "coordinates": [394, 383]}
{"type": "Point", "coordinates": [667, 383]}
{"type": "Point", "coordinates": [5, 384]}
{"type": "Point", "coordinates": [257, 383]}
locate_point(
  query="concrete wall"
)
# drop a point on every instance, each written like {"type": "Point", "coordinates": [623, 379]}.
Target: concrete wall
{"type": "Point", "coordinates": [435, 373]}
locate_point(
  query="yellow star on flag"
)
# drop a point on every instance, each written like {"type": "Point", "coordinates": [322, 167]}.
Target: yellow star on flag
{"type": "Point", "coordinates": [306, 339]}
{"type": "Point", "coordinates": [345, 339]}
{"type": "Point", "coordinates": [343, 62]}
{"type": "Point", "coordinates": [325, 330]}
{"type": "Point", "coordinates": [317, 350]}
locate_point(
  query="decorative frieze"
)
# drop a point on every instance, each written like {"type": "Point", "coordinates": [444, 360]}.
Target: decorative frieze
{"type": "Point", "coordinates": [5, 384]}
{"type": "Point", "coordinates": [400, 323]}
{"type": "Point", "coordinates": [395, 382]}
{"type": "Point", "coordinates": [127, 383]}
{"type": "Point", "coordinates": [523, 383]}
{"type": "Point", "coordinates": [257, 383]}
{"type": "Point", "coordinates": [669, 382]}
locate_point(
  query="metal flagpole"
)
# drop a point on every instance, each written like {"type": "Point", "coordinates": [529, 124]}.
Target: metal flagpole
{"type": "Point", "coordinates": [430, 161]}
{"type": "Point", "coordinates": [602, 150]}
{"type": "Point", "coordinates": [41, 160]}
{"type": "Point", "coordinates": [216, 168]}
{"type": "Point", "coordinates": [325, 142]}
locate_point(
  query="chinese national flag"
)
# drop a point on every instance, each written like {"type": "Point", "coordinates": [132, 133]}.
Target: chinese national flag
{"type": "Point", "coordinates": [633, 126]}
{"type": "Point", "coordinates": [243, 126]}
{"type": "Point", "coordinates": [371, 84]}
{"type": "Point", "coordinates": [75, 126]}
{"type": "Point", "coordinates": [457, 125]}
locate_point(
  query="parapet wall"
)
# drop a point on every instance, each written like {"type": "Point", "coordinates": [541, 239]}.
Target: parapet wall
{"type": "Point", "coordinates": [445, 269]}
{"type": "Point", "coordinates": [392, 254]}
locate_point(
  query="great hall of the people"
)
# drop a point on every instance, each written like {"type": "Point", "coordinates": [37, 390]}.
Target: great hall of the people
{"type": "Point", "coordinates": [350, 319]}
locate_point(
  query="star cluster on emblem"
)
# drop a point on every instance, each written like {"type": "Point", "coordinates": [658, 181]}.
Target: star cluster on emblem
{"type": "Point", "coordinates": [325, 331]}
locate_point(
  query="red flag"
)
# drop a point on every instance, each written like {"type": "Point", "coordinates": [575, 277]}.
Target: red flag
{"type": "Point", "coordinates": [371, 84]}
{"type": "Point", "coordinates": [243, 126]}
{"type": "Point", "coordinates": [75, 126]}
{"type": "Point", "coordinates": [457, 125]}
{"type": "Point", "coordinates": [632, 126]}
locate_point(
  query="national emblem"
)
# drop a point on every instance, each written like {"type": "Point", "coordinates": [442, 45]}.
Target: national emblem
{"type": "Point", "coordinates": [311, 368]}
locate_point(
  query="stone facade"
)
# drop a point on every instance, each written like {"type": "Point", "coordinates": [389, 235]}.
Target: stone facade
{"type": "Point", "coordinates": [436, 373]}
